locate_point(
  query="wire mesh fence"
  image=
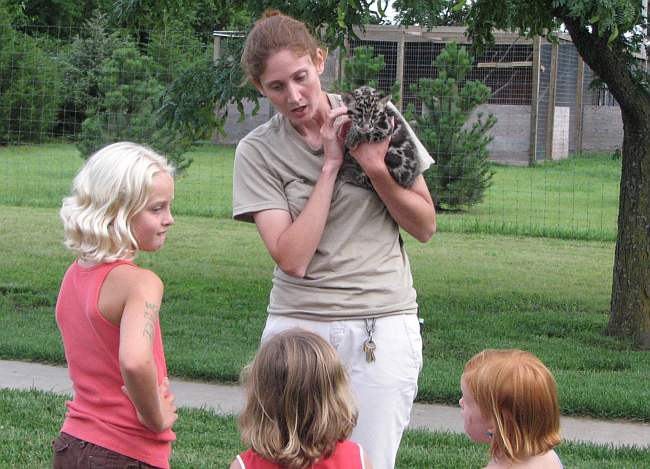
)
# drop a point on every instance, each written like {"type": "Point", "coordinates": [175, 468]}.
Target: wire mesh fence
{"type": "Point", "coordinates": [66, 91]}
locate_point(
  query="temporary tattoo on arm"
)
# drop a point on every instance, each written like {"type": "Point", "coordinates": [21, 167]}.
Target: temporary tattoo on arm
{"type": "Point", "coordinates": [150, 316]}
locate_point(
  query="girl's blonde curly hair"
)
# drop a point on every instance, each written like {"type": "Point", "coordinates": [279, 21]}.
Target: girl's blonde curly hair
{"type": "Point", "coordinates": [112, 187]}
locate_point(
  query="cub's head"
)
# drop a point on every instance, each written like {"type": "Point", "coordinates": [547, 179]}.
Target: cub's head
{"type": "Point", "coordinates": [366, 108]}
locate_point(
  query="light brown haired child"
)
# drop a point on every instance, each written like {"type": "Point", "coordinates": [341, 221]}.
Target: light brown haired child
{"type": "Point", "coordinates": [299, 410]}
{"type": "Point", "coordinates": [510, 402]}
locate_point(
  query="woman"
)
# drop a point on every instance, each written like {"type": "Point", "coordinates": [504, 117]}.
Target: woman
{"type": "Point", "coordinates": [341, 268]}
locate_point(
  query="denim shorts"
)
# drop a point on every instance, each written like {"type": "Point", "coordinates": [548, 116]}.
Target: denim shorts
{"type": "Point", "coordinates": [72, 453]}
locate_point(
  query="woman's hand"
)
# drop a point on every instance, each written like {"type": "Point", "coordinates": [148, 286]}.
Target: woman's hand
{"type": "Point", "coordinates": [333, 136]}
{"type": "Point", "coordinates": [371, 155]}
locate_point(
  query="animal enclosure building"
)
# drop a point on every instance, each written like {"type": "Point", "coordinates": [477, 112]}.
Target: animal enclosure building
{"type": "Point", "coordinates": [540, 91]}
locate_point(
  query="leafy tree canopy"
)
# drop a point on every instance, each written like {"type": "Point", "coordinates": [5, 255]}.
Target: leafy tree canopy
{"type": "Point", "coordinates": [430, 13]}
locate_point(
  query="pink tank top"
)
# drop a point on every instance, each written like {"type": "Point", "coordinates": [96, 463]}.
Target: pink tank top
{"type": "Point", "coordinates": [346, 455]}
{"type": "Point", "coordinates": [99, 411]}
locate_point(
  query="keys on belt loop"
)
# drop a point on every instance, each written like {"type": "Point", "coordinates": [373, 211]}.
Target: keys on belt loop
{"type": "Point", "coordinates": [369, 345]}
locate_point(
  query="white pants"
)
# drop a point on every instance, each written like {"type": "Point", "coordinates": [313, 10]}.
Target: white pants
{"type": "Point", "coordinates": [384, 389]}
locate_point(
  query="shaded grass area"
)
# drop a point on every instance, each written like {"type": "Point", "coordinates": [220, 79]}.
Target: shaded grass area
{"type": "Point", "coordinates": [548, 296]}
{"type": "Point", "coordinates": [575, 198]}
{"type": "Point", "coordinates": [30, 420]}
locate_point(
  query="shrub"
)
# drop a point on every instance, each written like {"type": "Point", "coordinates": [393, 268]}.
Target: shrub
{"type": "Point", "coordinates": [462, 173]}
{"type": "Point", "coordinates": [83, 61]}
{"type": "Point", "coordinates": [30, 86]}
{"type": "Point", "coordinates": [126, 108]}
{"type": "Point", "coordinates": [363, 68]}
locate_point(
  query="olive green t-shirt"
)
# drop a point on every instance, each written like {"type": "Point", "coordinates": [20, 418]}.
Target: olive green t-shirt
{"type": "Point", "coordinates": [360, 268]}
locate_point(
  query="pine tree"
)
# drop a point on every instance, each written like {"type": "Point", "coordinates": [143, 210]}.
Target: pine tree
{"type": "Point", "coordinates": [462, 173]}
{"type": "Point", "coordinates": [363, 68]}
{"type": "Point", "coordinates": [128, 95]}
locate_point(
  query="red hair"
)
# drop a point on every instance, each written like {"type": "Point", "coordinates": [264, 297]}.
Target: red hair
{"type": "Point", "coordinates": [518, 394]}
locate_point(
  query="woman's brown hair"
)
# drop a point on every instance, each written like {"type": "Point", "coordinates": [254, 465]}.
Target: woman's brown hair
{"type": "Point", "coordinates": [299, 403]}
{"type": "Point", "coordinates": [270, 34]}
{"type": "Point", "coordinates": [518, 394]}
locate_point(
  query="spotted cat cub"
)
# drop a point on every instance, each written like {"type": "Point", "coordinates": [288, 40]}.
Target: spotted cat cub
{"type": "Point", "coordinates": [372, 121]}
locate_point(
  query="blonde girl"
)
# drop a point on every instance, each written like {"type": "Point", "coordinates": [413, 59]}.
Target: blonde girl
{"type": "Point", "coordinates": [510, 402]}
{"type": "Point", "coordinates": [299, 411]}
{"type": "Point", "coordinates": [107, 312]}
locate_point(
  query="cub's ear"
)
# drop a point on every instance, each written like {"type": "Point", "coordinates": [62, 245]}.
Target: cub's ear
{"type": "Point", "coordinates": [384, 100]}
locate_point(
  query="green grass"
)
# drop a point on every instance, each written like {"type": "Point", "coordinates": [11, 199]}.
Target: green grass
{"type": "Point", "coordinates": [549, 296]}
{"type": "Point", "coordinates": [41, 175]}
{"type": "Point", "coordinates": [575, 198]}
{"type": "Point", "coordinates": [30, 420]}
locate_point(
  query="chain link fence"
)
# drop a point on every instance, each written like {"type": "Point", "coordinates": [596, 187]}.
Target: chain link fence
{"type": "Point", "coordinates": [62, 87]}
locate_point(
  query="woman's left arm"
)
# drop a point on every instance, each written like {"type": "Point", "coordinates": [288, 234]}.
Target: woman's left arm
{"type": "Point", "coordinates": [412, 209]}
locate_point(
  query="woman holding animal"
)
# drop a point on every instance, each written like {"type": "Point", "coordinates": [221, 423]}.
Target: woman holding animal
{"type": "Point", "coordinates": [341, 269]}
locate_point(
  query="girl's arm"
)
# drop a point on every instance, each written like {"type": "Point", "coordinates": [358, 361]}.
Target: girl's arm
{"type": "Point", "coordinates": [367, 464]}
{"type": "Point", "coordinates": [292, 244]}
{"type": "Point", "coordinates": [412, 209]}
{"type": "Point", "coordinates": [154, 403]}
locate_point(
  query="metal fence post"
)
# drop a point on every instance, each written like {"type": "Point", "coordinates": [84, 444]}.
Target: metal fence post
{"type": "Point", "coordinates": [534, 101]}
{"type": "Point", "coordinates": [550, 115]}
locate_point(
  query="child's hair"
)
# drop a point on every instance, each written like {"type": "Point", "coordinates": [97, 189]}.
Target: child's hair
{"type": "Point", "coordinates": [299, 403]}
{"type": "Point", "coordinates": [518, 394]}
{"type": "Point", "coordinates": [270, 34]}
{"type": "Point", "coordinates": [112, 187]}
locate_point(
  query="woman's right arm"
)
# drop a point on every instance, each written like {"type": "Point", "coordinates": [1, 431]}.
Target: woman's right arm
{"type": "Point", "coordinates": [292, 244]}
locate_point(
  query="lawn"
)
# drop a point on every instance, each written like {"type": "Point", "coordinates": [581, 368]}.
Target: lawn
{"type": "Point", "coordinates": [575, 198]}
{"type": "Point", "coordinates": [480, 284]}
{"type": "Point", "coordinates": [549, 296]}
{"type": "Point", "coordinates": [31, 419]}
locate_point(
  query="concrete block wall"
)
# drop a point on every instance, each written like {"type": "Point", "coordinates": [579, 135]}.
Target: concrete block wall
{"type": "Point", "coordinates": [236, 130]}
{"type": "Point", "coordinates": [602, 128]}
{"type": "Point", "coordinates": [511, 133]}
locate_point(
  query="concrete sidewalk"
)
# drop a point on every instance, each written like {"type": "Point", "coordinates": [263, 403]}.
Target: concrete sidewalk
{"type": "Point", "coordinates": [226, 399]}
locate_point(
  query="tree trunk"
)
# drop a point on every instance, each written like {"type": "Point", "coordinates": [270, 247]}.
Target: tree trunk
{"type": "Point", "coordinates": [630, 301]}
{"type": "Point", "coordinates": [630, 304]}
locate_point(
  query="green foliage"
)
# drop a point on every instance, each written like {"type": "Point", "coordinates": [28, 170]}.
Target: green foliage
{"type": "Point", "coordinates": [141, 17]}
{"type": "Point", "coordinates": [82, 67]}
{"type": "Point", "coordinates": [125, 108]}
{"type": "Point", "coordinates": [30, 84]}
{"type": "Point", "coordinates": [334, 20]}
{"type": "Point", "coordinates": [174, 48]}
{"type": "Point", "coordinates": [430, 13]}
{"type": "Point", "coordinates": [620, 23]}
{"type": "Point", "coordinates": [363, 68]}
{"type": "Point", "coordinates": [462, 173]}
{"type": "Point", "coordinates": [196, 102]}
